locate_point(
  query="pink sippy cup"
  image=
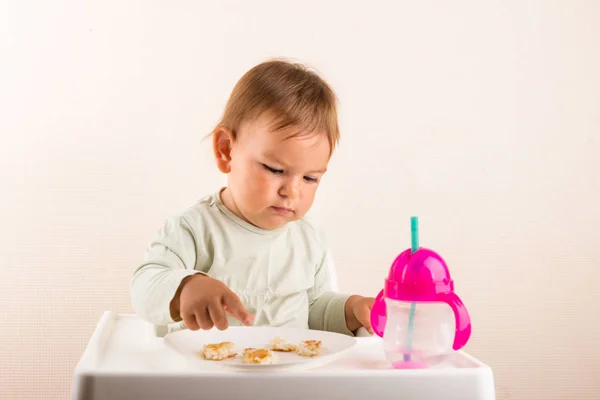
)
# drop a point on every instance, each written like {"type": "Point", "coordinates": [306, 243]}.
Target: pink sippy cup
{"type": "Point", "coordinates": [417, 313]}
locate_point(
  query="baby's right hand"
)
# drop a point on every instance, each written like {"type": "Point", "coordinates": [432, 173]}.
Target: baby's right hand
{"type": "Point", "coordinates": [204, 300]}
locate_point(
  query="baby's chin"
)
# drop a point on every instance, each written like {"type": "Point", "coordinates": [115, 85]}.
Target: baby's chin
{"type": "Point", "coordinates": [273, 222]}
{"type": "Point", "coordinates": [271, 226]}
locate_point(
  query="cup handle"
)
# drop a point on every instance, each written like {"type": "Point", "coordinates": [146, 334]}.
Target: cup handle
{"type": "Point", "coordinates": [461, 316]}
{"type": "Point", "coordinates": [378, 315]}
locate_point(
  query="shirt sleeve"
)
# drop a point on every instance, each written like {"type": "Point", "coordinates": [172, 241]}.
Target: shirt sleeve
{"type": "Point", "coordinates": [169, 258]}
{"type": "Point", "coordinates": [326, 306]}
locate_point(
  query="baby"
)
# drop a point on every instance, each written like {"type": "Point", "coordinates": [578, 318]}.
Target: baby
{"type": "Point", "coordinates": [248, 254]}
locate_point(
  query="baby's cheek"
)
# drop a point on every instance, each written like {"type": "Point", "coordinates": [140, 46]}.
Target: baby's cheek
{"type": "Point", "coordinates": [259, 193]}
{"type": "Point", "coordinates": [309, 196]}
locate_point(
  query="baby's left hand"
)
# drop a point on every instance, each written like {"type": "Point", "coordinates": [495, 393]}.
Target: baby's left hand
{"type": "Point", "coordinates": [358, 313]}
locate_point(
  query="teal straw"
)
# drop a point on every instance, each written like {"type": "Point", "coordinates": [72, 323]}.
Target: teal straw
{"type": "Point", "coordinates": [414, 246]}
{"type": "Point", "coordinates": [414, 234]}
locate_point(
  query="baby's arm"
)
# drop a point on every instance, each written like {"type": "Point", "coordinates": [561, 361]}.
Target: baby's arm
{"type": "Point", "coordinates": [327, 309]}
{"type": "Point", "coordinates": [169, 258]}
{"type": "Point", "coordinates": [334, 312]}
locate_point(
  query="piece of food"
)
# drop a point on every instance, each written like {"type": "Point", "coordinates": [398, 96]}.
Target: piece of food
{"type": "Point", "coordinates": [279, 344]}
{"type": "Point", "coordinates": [258, 356]}
{"type": "Point", "coordinates": [309, 348]}
{"type": "Point", "coordinates": [218, 351]}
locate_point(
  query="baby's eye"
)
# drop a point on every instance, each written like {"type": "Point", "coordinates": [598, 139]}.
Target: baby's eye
{"type": "Point", "coordinates": [310, 179]}
{"type": "Point", "coordinates": [273, 170]}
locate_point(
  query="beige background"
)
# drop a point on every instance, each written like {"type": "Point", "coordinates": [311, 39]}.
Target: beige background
{"type": "Point", "coordinates": [483, 118]}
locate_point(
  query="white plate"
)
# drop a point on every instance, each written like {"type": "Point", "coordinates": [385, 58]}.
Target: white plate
{"type": "Point", "coordinates": [189, 343]}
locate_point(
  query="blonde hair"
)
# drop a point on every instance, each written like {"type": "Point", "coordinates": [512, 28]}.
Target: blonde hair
{"type": "Point", "coordinates": [296, 96]}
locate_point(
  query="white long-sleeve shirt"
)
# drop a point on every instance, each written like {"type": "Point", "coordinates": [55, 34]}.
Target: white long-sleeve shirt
{"type": "Point", "coordinates": [281, 276]}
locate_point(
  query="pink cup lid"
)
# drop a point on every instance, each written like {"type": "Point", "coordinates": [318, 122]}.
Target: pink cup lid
{"type": "Point", "coordinates": [422, 276]}
{"type": "Point", "coordinates": [419, 276]}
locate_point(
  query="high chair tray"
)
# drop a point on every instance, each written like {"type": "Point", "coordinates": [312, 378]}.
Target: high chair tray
{"type": "Point", "coordinates": [124, 359]}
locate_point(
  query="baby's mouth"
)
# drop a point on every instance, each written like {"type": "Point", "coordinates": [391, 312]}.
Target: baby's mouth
{"type": "Point", "coordinates": [282, 210]}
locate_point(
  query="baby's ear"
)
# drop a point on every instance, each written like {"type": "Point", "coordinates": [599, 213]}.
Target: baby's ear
{"type": "Point", "coordinates": [223, 142]}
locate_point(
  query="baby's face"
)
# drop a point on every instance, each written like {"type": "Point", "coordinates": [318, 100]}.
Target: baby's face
{"type": "Point", "coordinates": [274, 178]}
